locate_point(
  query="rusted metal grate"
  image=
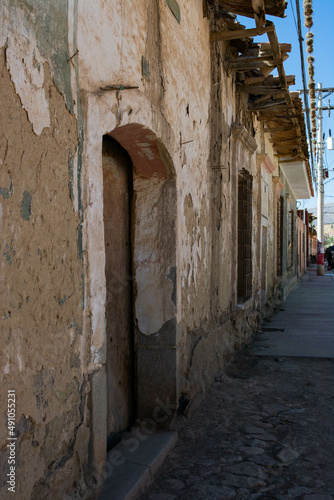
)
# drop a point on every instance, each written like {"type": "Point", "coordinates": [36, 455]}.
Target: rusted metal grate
{"type": "Point", "coordinates": [245, 268]}
{"type": "Point", "coordinates": [280, 208]}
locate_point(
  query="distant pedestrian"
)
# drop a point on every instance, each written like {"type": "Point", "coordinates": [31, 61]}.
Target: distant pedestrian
{"type": "Point", "coordinates": [329, 256]}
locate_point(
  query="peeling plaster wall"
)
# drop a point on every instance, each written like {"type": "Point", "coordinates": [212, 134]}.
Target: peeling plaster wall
{"type": "Point", "coordinates": [42, 287]}
{"type": "Point", "coordinates": [269, 170]}
{"type": "Point", "coordinates": [41, 292]}
{"type": "Point", "coordinates": [175, 108]}
{"type": "Point", "coordinates": [188, 133]}
{"type": "Point", "coordinates": [290, 278]}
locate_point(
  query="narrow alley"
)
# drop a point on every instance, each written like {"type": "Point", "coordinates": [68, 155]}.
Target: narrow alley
{"type": "Point", "coordinates": [265, 427]}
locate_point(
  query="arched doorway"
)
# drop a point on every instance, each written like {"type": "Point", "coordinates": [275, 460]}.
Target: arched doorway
{"type": "Point", "coordinates": [140, 255]}
{"type": "Point", "coordinates": [117, 200]}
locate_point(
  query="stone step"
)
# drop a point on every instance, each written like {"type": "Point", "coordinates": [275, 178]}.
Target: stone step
{"type": "Point", "coordinates": [131, 465]}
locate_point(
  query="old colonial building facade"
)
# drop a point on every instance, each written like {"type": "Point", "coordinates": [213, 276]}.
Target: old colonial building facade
{"type": "Point", "coordinates": [150, 166]}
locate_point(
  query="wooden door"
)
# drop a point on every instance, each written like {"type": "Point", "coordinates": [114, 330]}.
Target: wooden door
{"type": "Point", "coordinates": [264, 264]}
{"type": "Point", "coordinates": [117, 194]}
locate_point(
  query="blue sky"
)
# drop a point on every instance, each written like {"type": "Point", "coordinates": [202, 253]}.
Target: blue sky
{"type": "Point", "coordinates": [323, 30]}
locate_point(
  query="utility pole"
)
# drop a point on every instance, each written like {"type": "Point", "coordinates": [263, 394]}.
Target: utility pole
{"type": "Point", "coordinates": [320, 256]}
{"type": "Point", "coordinates": [320, 180]}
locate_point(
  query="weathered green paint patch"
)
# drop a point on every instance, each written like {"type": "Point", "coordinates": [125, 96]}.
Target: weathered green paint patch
{"type": "Point", "coordinates": [70, 168]}
{"type": "Point", "coordinates": [7, 192]}
{"type": "Point", "coordinates": [50, 22]}
{"type": "Point", "coordinates": [9, 253]}
{"type": "Point", "coordinates": [62, 301]}
{"type": "Point", "coordinates": [71, 390]}
{"type": "Point", "coordinates": [26, 206]}
{"type": "Point", "coordinates": [175, 8]}
{"type": "Point", "coordinates": [172, 276]}
{"type": "Point", "coordinates": [73, 324]}
{"type": "Point", "coordinates": [80, 119]}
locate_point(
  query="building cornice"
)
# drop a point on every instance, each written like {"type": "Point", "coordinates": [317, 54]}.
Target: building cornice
{"type": "Point", "coordinates": [266, 162]}
{"type": "Point", "coordinates": [239, 132]}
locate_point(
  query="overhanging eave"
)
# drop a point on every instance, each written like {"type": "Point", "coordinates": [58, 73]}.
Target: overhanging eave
{"type": "Point", "coordinates": [298, 179]}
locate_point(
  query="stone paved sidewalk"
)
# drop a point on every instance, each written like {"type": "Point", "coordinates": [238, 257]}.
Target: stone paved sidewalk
{"type": "Point", "coordinates": [264, 431]}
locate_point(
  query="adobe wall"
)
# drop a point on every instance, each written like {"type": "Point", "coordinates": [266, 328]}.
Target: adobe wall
{"type": "Point", "coordinates": [41, 292]}
{"type": "Point", "coordinates": [41, 255]}
{"type": "Point", "coordinates": [271, 187]}
{"type": "Point", "coordinates": [290, 278]}
{"type": "Point", "coordinates": [188, 119]}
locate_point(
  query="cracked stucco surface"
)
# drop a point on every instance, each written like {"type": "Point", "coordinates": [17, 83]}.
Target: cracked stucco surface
{"type": "Point", "coordinates": [40, 298]}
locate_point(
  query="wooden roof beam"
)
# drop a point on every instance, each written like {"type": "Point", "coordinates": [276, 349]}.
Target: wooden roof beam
{"type": "Point", "coordinates": [218, 36]}
{"type": "Point", "coordinates": [277, 55]}
{"type": "Point", "coordinates": [270, 80]}
{"type": "Point", "coordinates": [293, 155]}
{"type": "Point", "coordinates": [267, 130]}
{"type": "Point", "coordinates": [259, 13]}
{"type": "Point", "coordinates": [286, 117]}
{"type": "Point", "coordinates": [247, 66]}
{"type": "Point", "coordinates": [246, 58]}
{"type": "Point", "coordinates": [256, 50]}
{"type": "Point", "coordinates": [275, 47]}
{"type": "Point", "coordinates": [281, 133]}
{"type": "Point", "coordinates": [258, 57]}
{"type": "Point", "coordinates": [261, 90]}
{"type": "Point", "coordinates": [287, 142]}
{"type": "Point", "coordinates": [246, 8]}
{"type": "Point", "coordinates": [285, 47]}
{"type": "Point", "coordinates": [264, 98]}
{"type": "Point", "coordinates": [271, 106]}
{"type": "Point", "coordinates": [281, 130]}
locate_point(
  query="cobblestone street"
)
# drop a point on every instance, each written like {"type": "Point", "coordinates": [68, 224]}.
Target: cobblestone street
{"type": "Point", "coordinates": [264, 431]}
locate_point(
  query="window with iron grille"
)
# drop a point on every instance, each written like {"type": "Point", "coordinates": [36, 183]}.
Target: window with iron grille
{"type": "Point", "coordinates": [245, 272]}
{"type": "Point", "coordinates": [280, 236]}
{"type": "Point", "coordinates": [290, 239]}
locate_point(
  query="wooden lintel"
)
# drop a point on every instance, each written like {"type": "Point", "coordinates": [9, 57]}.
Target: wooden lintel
{"type": "Point", "coordinates": [217, 36]}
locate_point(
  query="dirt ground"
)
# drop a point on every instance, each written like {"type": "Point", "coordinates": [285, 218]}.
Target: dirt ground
{"type": "Point", "coordinates": [263, 431]}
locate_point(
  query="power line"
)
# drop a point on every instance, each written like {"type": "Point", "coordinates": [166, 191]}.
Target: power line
{"type": "Point", "coordinates": [294, 18]}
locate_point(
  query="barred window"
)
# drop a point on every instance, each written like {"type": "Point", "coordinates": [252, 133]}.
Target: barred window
{"type": "Point", "coordinates": [290, 239]}
{"type": "Point", "coordinates": [280, 208]}
{"type": "Point", "coordinates": [245, 272]}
